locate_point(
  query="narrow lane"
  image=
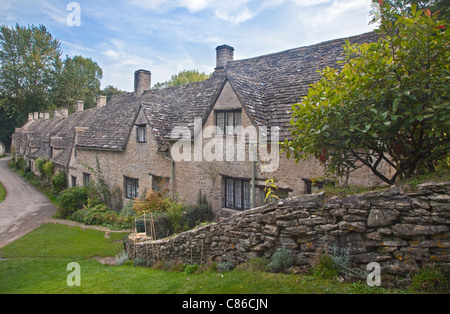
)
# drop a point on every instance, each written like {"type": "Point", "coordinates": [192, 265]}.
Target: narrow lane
{"type": "Point", "coordinates": [24, 209]}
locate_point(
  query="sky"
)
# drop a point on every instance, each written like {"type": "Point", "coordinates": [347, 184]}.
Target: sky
{"type": "Point", "coordinates": [168, 36]}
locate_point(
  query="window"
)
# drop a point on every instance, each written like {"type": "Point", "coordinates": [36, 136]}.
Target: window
{"type": "Point", "coordinates": [141, 133]}
{"type": "Point", "coordinates": [237, 194]}
{"type": "Point", "coordinates": [74, 181]}
{"type": "Point", "coordinates": [86, 180]}
{"type": "Point", "coordinates": [131, 188]}
{"type": "Point", "coordinates": [228, 121]}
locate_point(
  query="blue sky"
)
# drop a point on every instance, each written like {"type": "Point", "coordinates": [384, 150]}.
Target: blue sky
{"type": "Point", "coordinates": [167, 36]}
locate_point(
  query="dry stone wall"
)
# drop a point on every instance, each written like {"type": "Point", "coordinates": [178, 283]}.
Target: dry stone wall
{"type": "Point", "coordinates": [401, 230]}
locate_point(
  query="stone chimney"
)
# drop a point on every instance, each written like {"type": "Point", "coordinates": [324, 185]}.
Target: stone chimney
{"type": "Point", "coordinates": [79, 106]}
{"type": "Point", "coordinates": [142, 81]}
{"type": "Point", "coordinates": [46, 116]}
{"type": "Point", "coordinates": [61, 113]}
{"type": "Point", "coordinates": [224, 54]}
{"type": "Point", "coordinates": [41, 115]}
{"type": "Point", "coordinates": [30, 116]}
{"type": "Point", "coordinates": [36, 116]}
{"type": "Point", "coordinates": [101, 102]}
{"type": "Point", "coordinates": [64, 112]}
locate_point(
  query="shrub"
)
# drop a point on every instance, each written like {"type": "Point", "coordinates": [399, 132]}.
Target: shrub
{"type": "Point", "coordinates": [128, 211]}
{"type": "Point", "coordinates": [191, 269]}
{"type": "Point", "coordinates": [73, 199]}
{"type": "Point", "coordinates": [101, 215]}
{"type": "Point", "coordinates": [429, 280]}
{"type": "Point", "coordinates": [152, 202]}
{"type": "Point", "coordinates": [140, 262]}
{"type": "Point", "coordinates": [59, 182]}
{"type": "Point", "coordinates": [281, 260]}
{"type": "Point", "coordinates": [167, 214]}
{"type": "Point", "coordinates": [48, 169]}
{"type": "Point", "coordinates": [325, 267]}
{"type": "Point", "coordinates": [40, 166]}
{"type": "Point", "coordinates": [122, 258]}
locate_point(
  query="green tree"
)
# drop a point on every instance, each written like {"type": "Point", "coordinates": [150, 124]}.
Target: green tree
{"type": "Point", "coordinates": [184, 77]}
{"type": "Point", "coordinates": [389, 103]}
{"type": "Point", "coordinates": [29, 61]}
{"type": "Point", "coordinates": [110, 91]}
{"type": "Point", "coordinates": [404, 6]}
{"type": "Point", "coordinates": [79, 79]}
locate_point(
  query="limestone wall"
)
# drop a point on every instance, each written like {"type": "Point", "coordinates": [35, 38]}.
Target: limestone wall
{"type": "Point", "coordinates": [401, 230]}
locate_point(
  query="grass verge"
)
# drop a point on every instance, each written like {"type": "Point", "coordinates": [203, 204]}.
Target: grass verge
{"type": "Point", "coordinates": [37, 263]}
{"type": "Point", "coordinates": [2, 193]}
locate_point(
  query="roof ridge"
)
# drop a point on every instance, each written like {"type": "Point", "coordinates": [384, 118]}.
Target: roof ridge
{"type": "Point", "coordinates": [302, 47]}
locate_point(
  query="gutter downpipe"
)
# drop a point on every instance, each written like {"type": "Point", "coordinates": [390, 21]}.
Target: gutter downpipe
{"type": "Point", "coordinates": [253, 149]}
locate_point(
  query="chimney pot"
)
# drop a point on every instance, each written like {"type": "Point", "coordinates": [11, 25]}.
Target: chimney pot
{"type": "Point", "coordinates": [224, 54]}
{"type": "Point", "coordinates": [101, 102]}
{"type": "Point", "coordinates": [79, 105]}
{"type": "Point", "coordinates": [142, 81]}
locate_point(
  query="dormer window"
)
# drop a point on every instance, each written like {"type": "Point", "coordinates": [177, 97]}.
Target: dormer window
{"type": "Point", "coordinates": [141, 133]}
{"type": "Point", "coordinates": [227, 122]}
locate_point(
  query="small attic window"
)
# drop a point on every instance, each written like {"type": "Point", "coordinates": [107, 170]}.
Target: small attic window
{"type": "Point", "coordinates": [141, 133]}
{"type": "Point", "coordinates": [228, 121]}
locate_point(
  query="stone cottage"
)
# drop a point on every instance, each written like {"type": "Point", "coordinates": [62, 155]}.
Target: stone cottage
{"type": "Point", "coordinates": [218, 136]}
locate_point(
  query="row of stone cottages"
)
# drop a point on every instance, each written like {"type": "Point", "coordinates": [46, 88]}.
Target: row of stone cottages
{"type": "Point", "coordinates": [145, 140]}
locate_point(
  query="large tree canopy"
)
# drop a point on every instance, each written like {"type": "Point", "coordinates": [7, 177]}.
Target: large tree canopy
{"type": "Point", "coordinates": [389, 105]}
{"type": "Point", "coordinates": [184, 77]}
{"type": "Point", "coordinates": [79, 79]}
{"type": "Point", "coordinates": [33, 78]}
{"type": "Point", "coordinates": [29, 61]}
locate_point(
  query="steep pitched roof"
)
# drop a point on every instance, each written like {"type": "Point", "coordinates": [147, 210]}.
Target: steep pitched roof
{"type": "Point", "coordinates": [269, 85]}
{"type": "Point", "coordinates": [110, 126]}
{"type": "Point", "coordinates": [57, 132]}
{"type": "Point", "coordinates": [179, 105]}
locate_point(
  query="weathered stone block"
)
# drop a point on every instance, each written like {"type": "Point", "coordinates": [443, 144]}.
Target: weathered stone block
{"type": "Point", "coordinates": [409, 230]}
{"type": "Point", "coordinates": [326, 228]}
{"type": "Point", "coordinates": [354, 218]}
{"type": "Point", "coordinates": [312, 221]}
{"type": "Point", "coordinates": [298, 230]}
{"type": "Point", "coordinates": [396, 267]}
{"type": "Point", "coordinates": [382, 217]}
{"type": "Point", "coordinates": [272, 230]}
{"type": "Point", "coordinates": [268, 218]}
{"type": "Point", "coordinates": [340, 212]}
{"type": "Point", "coordinates": [367, 258]}
{"type": "Point", "coordinates": [352, 226]}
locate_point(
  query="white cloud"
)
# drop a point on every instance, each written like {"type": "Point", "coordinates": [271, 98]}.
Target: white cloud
{"type": "Point", "coordinates": [232, 11]}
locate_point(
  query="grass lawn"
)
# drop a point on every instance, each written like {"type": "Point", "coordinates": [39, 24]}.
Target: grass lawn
{"type": "Point", "coordinates": [37, 263]}
{"type": "Point", "coordinates": [2, 193]}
